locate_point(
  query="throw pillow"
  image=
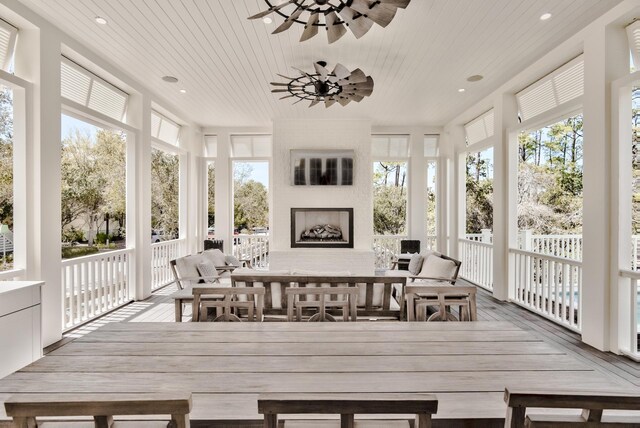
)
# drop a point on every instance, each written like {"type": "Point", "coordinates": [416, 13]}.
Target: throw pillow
{"type": "Point", "coordinates": [415, 264]}
{"type": "Point", "coordinates": [232, 261]}
{"type": "Point", "coordinates": [207, 270]}
{"type": "Point", "coordinates": [436, 267]}
{"type": "Point", "coordinates": [215, 256]}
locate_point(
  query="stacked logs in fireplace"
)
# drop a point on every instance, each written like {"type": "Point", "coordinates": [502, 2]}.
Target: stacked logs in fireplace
{"type": "Point", "coordinates": [322, 233]}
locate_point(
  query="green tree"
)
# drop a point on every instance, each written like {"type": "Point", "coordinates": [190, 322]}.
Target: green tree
{"type": "Point", "coordinates": [479, 191]}
{"type": "Point", "coordinates": [6, 157]}
{"type": "Point", "coordinates": [165, 185]}
{"type": "Point", "coordinates": [390, 198]}
{"type": "Point", "coordinates": [211, 193]}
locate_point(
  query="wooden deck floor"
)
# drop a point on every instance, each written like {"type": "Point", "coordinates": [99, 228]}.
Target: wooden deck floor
{"type": "Point", "coordinates": [160, 308]}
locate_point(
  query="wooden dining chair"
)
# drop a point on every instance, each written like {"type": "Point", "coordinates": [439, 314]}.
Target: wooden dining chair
{"type": "Point", "coordinates": [321, 299]}
{"type": "Point", "coordinates": [591, 403]}
{"type": "Point", "coordinates": [347, 406]}
{"type": "Point", "coordinates": [227, 308]}
{"type": "Point", "coordinates": [25, 408]}
{"type": "Point", "coordinates": [420, 297]}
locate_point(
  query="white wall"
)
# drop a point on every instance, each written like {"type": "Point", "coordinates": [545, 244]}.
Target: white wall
{"type": "Point", "coordinates": [322, 134]}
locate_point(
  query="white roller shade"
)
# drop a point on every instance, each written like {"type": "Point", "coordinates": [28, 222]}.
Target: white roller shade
{"type": "Point", "coordinates": [211, 146]}
{"type": "Point", "coordinates": [251, 146]}
{"type": "Point", "coordinates": [8, 35]}
{"type": "Point", "coordinates": [390, 146]}
{"type": "Point", "coordinates": [633, 34]}
{"type": "Point", "coordinates": [563, 85]}
{"type": "Point", "coordinates": [164, 129]}
{"type": "Point", "coordinates": [79, 85]}
{"type": "Point", "coordinates": [480, 128]}
{"type": "Point", "coordinates": [431, 146]}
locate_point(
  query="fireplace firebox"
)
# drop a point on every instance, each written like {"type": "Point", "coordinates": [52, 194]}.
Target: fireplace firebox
{"type": "Point", "coordinates": [321, 227]}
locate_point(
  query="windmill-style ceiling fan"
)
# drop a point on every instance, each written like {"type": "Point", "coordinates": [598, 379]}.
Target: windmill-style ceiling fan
{"type": "Point", "coordinates": [358, 15]}
{"type": "Point", "coordinates": [340, 85]}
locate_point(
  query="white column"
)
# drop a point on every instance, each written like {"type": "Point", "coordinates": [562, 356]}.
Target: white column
{"type": "Point", "coordinates": [456, 190]}
{"type": "Point", "coordinates": [417, 188]}
{"type": "Point", "coordinates": [139, 194]}
{"type": "Point", "coordinates": [506, 116]}
{"type": "Point", "coordinates": [606, 58]}
{"type": "Point", "coordinates": [224, 192]}
{"type": "Point", "coordinates": [38, 61]}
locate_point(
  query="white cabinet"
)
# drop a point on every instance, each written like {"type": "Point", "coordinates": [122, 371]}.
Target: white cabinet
{"type": "Point", "coordinates": [20, 325]}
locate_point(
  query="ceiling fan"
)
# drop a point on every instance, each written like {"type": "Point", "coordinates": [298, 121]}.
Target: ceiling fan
{"type": "Point", "coordinates": [340, 85]}
{"type": "Point", "coordinates": [357, 15]}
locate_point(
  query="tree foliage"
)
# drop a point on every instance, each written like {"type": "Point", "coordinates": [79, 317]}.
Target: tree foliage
{"type": "Point", "coordinates": [250, 199]}
{"type": "Point", "coordinates": [479, 191]}
{"type": "Point", "coordinates": [165, 192]}
{"type": "Point", "coordinates": [390, 198]}
{"type": "Point", "coordinates": [211, 194]}
{"type": "Point", "coordinates": [6, 157]}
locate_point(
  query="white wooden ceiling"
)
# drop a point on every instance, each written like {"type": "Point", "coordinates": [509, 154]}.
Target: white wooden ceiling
{"type": "Point", "coordinates": [225, 62]}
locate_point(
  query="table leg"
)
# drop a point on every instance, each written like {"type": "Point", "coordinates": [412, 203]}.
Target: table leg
{"type": "Point", "coordinates": [178, 310]}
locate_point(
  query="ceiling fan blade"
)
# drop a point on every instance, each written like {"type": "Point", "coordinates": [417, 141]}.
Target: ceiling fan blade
{"type": "Point", "coordinates": [343, 101]}
{"type": "Point", "coordinates": [289, 21]}
{"type": "Point", "coordinates": [341, 72]}
{"type": "Point", "coordinates": [271, 9]}
{"type": "Point", "coordinates": [357, 76]}
{"type": "Point", "coordinates": [335, 30]}
{"type": "Point", "coordinates": [314, 102]}
{"type": "Point", "coordinates": [328, 102]}
{"type": "Point", "coordinates": [279, 84]}
{"type": "Point", "coordinates": [364, 85]}
{"type": "Point", "coordinates": [279, 90]}
{"type": "Point", "coordinates": [321, 70]}
{"type": "Point", "coordinates": [397, 3]}
{"type": "Point", "coordinates": [310, 29]}
{"type": "Point", "coordinates": [361, 92]}
{"type": "Point", "coordinates": [381, 14]}
{"type": "Point", "coordinates": [357, 98]}
{"type": "Point", "coordinates": [358, 26]}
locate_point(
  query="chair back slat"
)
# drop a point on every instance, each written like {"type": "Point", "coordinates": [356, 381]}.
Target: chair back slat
{"type": "Point", "coordinates": [323, 295]}
{"type": "Point", "coordinates": [420, 297]}
{"type": "Point", "coordinates": [230, 300]}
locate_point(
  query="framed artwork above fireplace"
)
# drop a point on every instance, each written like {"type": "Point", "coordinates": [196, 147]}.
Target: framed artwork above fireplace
{"type": "Point", "coordinates": [321, 227]}
{"type": "Point", "coordinates": [322, 167]}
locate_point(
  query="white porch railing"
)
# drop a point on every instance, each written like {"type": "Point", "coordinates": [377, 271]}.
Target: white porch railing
{"type": "Point", "coordinates": [548, 285]}
{"type": "Point", "coordinates": [254, 248]}
{"type": "Point", "coordinates": [630, 315]}
{"type": "Point", "coordinates": [12, 274]}
{"type": "Point", "coordinates": [93, 285]}
{"type": "Point", "coordinates": [477, 262]}
{"type": "Point", "coordinates": [387, 247]}
{"type": "Point", "coordinates": [161, 254]}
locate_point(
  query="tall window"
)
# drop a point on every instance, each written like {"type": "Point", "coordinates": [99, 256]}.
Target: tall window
{"type": "Point", "coordinates": [479, 191]}
{"type": "Point", "coordinates": [635, 184]}
{"type": "Point", "coordinates": [211, 152]}
{"type": "Point", "coordinates": [93, 199]}
{"type": "Point", "coordinates": [550, 179]}
{"type": "Point", "coordinates": [6, 179]}
{"type": "Point", "coordinates": [165, 195]}
{"type": "Point", "coordinates": [431, 214]}
{"type": "Point", "coordinates": [390, 184]}
{"type": "Point", "coordinates": [251, 183]}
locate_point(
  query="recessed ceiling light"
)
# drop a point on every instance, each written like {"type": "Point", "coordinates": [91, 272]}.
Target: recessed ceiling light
{"type": "Point", "coordinates": [461, 90]}
{"type": "Point", "coordinates": [475, 78]}
{"type": "Point", "coordinates": [100, 20]}
{"type": "Point", "coordinates": [170, 79]}
{"type": "Point", "coordinates": [267, 20]}
{"type": "Point", "coordinates": [545, 16]}
{"type": "Point", "coordinates": [183, 91]}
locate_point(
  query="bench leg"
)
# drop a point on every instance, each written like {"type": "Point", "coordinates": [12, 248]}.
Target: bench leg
{"type": "Point", "coordinates": [179, 421]}
{"type": "Point", "coordinates": [423, 420]}
{"type": "Point", "coordinates": [178, 310]}
{"type": "Point", "coordinates": [270, 421]}
{"type": "Point", "coordinates": [103, 421]}
{"type": "Point", "coordinates": [24, 422]}
{"type": "Point", "coordinates": [347, 421]}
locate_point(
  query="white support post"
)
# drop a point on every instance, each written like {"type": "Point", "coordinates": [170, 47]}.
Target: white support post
{"type": "Point", "coordinates": [456, 191]}
{"type": "Point", "coordinates": [526, 240]}
{"type": "Point", "coordinates": [416, 208]}
{"type": "Point", "coordinates": [606, 57]}
{"type": "Point", "coordinates": [506, 116]}
{"type": "Point", "coordinates": [486, 236]}
{"type": "Point", "coordinates": [224, 192]}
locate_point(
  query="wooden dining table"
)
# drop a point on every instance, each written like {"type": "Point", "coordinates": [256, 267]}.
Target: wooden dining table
{"type": "Point", "coordinates": [226, 365]}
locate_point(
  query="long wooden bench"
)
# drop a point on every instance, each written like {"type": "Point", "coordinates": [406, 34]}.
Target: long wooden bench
{"type": "Point", "coordinates": [25, 408]}
{"type": "Point", "coordinates": [592, 404]}
{"type": "Point", "coordinates": [375, 298]}
{"type": "Point", "coordinates": [347, 406]}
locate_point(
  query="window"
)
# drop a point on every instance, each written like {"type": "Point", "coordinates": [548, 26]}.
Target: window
{"type": "Point", "coordinates": [550, 188]}
{"type": "Point", "coordinates": [85, 88]}
{"type": "Point", "coordinates": [164, 129]}
{"type": "Point", "coordinates": [635, 183]}
{"type": "Point", "coordinates": [480, 128]}
{"type": "Point", "coordinates": [561, 86]}
{"type": "Point", "coordinates": [93, 199]}
{"type": "Point", "coordinates": [165, 195]}
{"type": "Point", "coordinates": [431, 215]}
{"type": "Point", "coordinates": [251, 197]}
{"type": "Point", "coordinates": [211, 151]}
{"type": "Point", "coordinates": [390, 184]}
{"type": "Point", "coordinates": [633, 35]}
{"type": "Point", "coordinates": [211, 146]}
{"type": "Point", "coordinates": [6, 179]}
{"type": "Point", "coordinates": [479, 191]}
{"type": "Point", "coordinates": [8, 36]}
{"type": "Point", "coordinates": [251, 146]}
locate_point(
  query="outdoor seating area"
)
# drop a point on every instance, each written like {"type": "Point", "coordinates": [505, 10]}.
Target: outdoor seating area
{"type": "Point", "coordinates": [319, 213]}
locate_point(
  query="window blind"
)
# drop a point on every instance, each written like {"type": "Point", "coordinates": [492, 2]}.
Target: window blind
{"type": "Point", "coordinates": [164, 129]}
{"type": "Point", "coordinates": [431, 146]}
{"type": "Point", "coordinates": [480, 128]}
{"type": "Point", "coordinates": [211, 146]}
{"type": "Point", "coordinates": [390, 146]}
{"type": "Point", "coordinates": [79, 85]}
{"type": "Point", "coordinates": [562, 85]}
{"type": "Point", "coordinates": [251, 146]}
{"type": "Point", "coordinates": [8, 36]}
{"type": "Point", "coordinates": [633, 34]}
